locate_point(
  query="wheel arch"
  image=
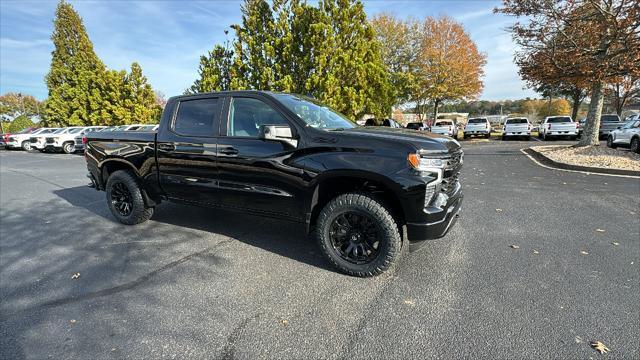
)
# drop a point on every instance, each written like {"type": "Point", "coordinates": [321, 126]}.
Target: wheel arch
{"type": "Point", "coordinates": [335, 183]}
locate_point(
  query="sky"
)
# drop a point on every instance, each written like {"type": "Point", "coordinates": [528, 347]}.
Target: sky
{"type": "Point", "coordinates": [167, 38]}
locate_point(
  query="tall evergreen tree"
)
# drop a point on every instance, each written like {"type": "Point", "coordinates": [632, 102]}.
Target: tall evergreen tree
{"type": "Point", "coordinates": [214, 71]}
{"type": "Point", "coordinates": [140, 98]}
{"type": "Point", "coordinates": [74, 72]}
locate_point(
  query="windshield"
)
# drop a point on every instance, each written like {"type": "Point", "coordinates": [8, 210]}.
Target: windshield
{"type": "Point", "coordinates": [314, 113]}
{"type": "Point", "coordinates": [610, 118]}
{"type": "Point", "coordinates": [477, 121]}
{"type": "Point", "coordinates": [560, 119]}
{"type": "Point", "coordinates": [60, 131]}
{"type": "Point", "coordinates": [516, 121]}
{"type": "Point", "coordinates": [75, 131]}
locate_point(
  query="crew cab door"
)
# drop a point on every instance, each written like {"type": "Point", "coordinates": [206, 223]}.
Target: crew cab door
{"type": "Point", "coordinates": [253, 173]}
{"type": "Point", "coordinates": [186, 149]}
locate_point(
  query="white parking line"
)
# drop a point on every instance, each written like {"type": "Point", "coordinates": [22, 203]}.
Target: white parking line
{"type": "Point", "coordinates": [536, 138]}
{"type": "Point", "coordinates": [575, 171]}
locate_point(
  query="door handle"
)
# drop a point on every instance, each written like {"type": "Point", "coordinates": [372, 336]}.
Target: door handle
{"type": "Point", "coordinates": [166, 147]}
{"type": "Point", "coordinates": [229, 151]}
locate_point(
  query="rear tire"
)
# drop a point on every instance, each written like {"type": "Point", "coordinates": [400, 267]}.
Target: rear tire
{"type": "Point", "coordinates": [125, 200]}
{"type": "Point", "coordinates": [358, 235]}
{"type": "Point", "coordinates": [635, 145]}
{"type": "Point", "coordinates": [26, 145]}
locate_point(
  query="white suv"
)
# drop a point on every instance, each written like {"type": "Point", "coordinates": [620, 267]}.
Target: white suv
{"type": "Point", "coordinates": [477, 126]}
{"type": "Point", "coordinates": [626, 136]}
{"type": "Point", "coordinates": [21, 139]}
{"type": "Point", "coordinates": [516, 127]}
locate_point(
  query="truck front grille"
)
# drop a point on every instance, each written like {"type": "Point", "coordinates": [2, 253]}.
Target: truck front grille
{"type": "Point", "coordinates": [452, 173]}
{"type": "Point", "coordinates": [49, 140]}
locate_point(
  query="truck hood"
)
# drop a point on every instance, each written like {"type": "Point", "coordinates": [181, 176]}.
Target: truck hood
{"type": "Point", "coordinates": [421, 140]}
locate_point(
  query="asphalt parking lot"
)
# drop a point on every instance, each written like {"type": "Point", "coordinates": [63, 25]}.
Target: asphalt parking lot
{"type": "Point", "coordinates": [207, 284]}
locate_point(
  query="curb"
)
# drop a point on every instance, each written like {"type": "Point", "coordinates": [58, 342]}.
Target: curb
{"type": "Point", "coordinates": [562, 166]}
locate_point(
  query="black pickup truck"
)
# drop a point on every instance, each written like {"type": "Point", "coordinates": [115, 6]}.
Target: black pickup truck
{"type": "Point", "coordinates": [365, 192]}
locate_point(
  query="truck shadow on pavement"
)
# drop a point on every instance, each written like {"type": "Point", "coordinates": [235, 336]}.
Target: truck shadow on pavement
{"type": "Point", "coordinates": [60, 237]}
{"type": "Point", "coordinates": [284, 238]}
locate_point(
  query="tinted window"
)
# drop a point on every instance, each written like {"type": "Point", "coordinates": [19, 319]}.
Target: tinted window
{"type": "Point", "coordinates": [516, 121]}
{"type": "Point", "coordinates": [196, 117]}
{"type": "Point", "coordinates": [477, 121]}
{"type": "Point", "coordinates": [246, 115]}
{"type": "Point", "coordinates": [444, 123]}
{"type": "Point", "coordinates": [559, 119]}
{"type": "Point", "coordinates": [610, 118]}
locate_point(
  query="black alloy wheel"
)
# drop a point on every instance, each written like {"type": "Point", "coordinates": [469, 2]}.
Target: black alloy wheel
{"type": "Point", "coordinates": [121, 199]}
{"type": "Point", "coordinates": [355, 237]}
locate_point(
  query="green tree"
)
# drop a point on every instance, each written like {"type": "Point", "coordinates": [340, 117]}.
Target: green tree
{"type": "Point", "coordinates": [140, 102]}
{"type": "Point", "coordinates": [19, 123]}
{"type": "Point", "coordinates": [16, 104]}
{"type": "Point", "coordinates": [75, 71]}
{"type": "Point", "coordinates": [329, 52]}
{"type": "Point", "coordinates": [214, 71]}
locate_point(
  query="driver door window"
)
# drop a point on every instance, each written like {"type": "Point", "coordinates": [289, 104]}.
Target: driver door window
{"type": "Point", "coordinates": [247, 114]}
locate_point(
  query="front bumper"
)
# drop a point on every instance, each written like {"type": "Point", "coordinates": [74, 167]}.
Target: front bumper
{"type": "Point", "coordinates": [435, 224]}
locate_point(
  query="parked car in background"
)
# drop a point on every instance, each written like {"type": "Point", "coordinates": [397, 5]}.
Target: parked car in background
{"type": "Point", "coordinates": [608, 122]}
{"type": "Point", "coordinates": [415, 126]}
{"type": "Point", "coordinates": [516, 127]}
{"type": "Point", "coordinates": [289, 157]}
{"type": "Point", "coordinates": [78, 145]}
{"type": "Point", "coordinates": [64, 141]}
{"type": "Point", "coordinates": [626, 136]}
{"type": "Point", "coordinates": [581, 124]}
{"type": "Point", "coordinates": [20, 140]}
{"type": "Point", "coordinates": [558, 126]}
{"type": "Point", "coordinates": [44, 141]}
{"type": "Point", "coordinates": [477, 127]}
{"type": "Point", "coordinates": [444, 127]}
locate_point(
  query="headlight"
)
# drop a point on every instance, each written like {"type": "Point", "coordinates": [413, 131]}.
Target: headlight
{"type": "Point", "coordinates": [428, 167]}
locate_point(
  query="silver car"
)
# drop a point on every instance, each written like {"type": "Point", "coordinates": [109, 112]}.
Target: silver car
{"type": "Point", "coordinates": [626, 136]}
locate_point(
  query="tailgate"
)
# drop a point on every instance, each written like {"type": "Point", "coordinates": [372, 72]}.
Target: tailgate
{"type": "Point", "coordinates": [563, 127]}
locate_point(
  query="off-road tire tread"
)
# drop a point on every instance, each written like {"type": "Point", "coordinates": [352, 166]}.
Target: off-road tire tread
{"type": "Point", "coordinates": [388, 226]}
{"type": "Point", "coordinates": [140, 212]}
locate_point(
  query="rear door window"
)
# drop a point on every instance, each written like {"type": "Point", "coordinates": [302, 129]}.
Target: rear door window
{"type": "Point", "coordinates": [196, 117]}
{"type": "Point", "coordinates": [517, 121]}
{"type": "Point", "coordinates": [560, 119]}
{"type": "Point", "coordinates": [477, 121]}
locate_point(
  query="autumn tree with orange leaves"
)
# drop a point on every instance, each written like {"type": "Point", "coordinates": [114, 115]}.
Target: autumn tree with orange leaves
{"type": "Point", "coordinates": [450, 67]}
{"type": "Point", "coordinates": [431, 61]}
{"type": "Point", "coordinates": [578, 41]}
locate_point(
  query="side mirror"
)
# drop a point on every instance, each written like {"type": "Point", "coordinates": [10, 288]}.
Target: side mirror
{"type": "Point", "coordinates": [281, 133]}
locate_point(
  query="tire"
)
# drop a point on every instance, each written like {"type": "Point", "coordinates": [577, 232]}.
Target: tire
{"type": "Point", "coordinates": [488, 136]}
{"type": "Point", "coordinates": [610, 142]}
{"type": "Point", "coordinates": [635, 145]}
{"type": "Point", "coordinates": [504, 138]}
{"type": "Point", "coordinates": [69, 148]}
{"type": "Point", "coordinates": [358, 216]}
{"type": "Point", "coordinates": [464, 136]}
{"type": "Point", "coordinates": [26, 145]}
{"type": "Point", "coordinates": [124, 197]}
{"type": "Point", "coordinates": [527, 138]}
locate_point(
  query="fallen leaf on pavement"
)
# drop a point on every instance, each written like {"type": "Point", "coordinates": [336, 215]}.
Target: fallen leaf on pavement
{"type": "Point", "coordinates": [73, 321]}
{"type": "Point", "coordinates": [584, 252]}
{"type": "Point", "coordinates": [515, 247]}
{"type": "Point", "coordinates": [578, 339]}
{"type": "Point", "coordinates": [599, 230]}
{"type": "Point", "coordinates": [284, 322]}
{"type": "Point", "coordinates": [75, 276]}
{"type": "Point", "coordinates": [535, 251]}
{"type": "Point", "coordinates": [615, 243]}
{"type": "Point", "coordinates": [409, 302]}
{"type": "Point", "coordinates": [498, 210]}
{"type": "Point", "coordinates": [600, 347]}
